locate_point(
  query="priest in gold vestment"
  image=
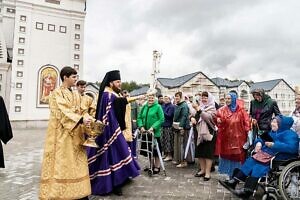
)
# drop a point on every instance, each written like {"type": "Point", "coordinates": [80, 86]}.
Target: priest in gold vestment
{"type": "Point", "coordinates": [65, 173]}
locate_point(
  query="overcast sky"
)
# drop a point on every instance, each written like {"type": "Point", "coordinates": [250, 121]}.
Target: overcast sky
{"type": "Point", "coordinates": [237, 39]}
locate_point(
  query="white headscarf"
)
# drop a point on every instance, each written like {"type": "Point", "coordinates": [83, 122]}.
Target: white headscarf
{"type": "Point", "coordinates": [210, 102]}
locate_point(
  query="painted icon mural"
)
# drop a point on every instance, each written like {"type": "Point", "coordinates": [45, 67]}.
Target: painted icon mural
{"type": "Point", "coordinates": [48, 81]}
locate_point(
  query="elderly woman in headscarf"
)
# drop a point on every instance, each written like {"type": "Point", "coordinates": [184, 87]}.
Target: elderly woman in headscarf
{"type": "Point", "coordinates": [233, 123]}
{"type": "Point", "coordinates": [205, 134]}
{"type": "Point", "coordinates": [296, 115]}
{"type": "Point", "coordinates": [262, 108]}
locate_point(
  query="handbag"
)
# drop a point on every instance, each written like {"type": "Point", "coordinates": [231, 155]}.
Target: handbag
{"type": "Point", "coordinates": [176, 126]}
{"type": "Point", "coordinates": [262, 157]}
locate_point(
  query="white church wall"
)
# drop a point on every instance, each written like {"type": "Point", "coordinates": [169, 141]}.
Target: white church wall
{"type": "Point", "coordinates": [51, 36]}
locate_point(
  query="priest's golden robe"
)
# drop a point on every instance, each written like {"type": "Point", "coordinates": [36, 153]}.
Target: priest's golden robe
{"type": "Point", "coordinates": [88, 105]}
{"type": "Point", "coordinates": [128, 131]}
{"type": "Point", "coordinates": [65, 172]}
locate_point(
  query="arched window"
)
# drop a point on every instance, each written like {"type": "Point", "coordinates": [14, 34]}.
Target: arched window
{"type": "Point", "coordinates": [48, 78]}
{"type": "Point", "coordinates": [244, 94]}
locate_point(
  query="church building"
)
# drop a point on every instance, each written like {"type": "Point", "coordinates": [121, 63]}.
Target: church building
{"type": "Point", "coordinates": [37, 39]}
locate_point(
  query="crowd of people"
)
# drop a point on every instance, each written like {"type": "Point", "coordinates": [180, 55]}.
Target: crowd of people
{"type": "Point", "coordinates": [221, 131]}
{"type": "Point", "coordinates": [185, 128]}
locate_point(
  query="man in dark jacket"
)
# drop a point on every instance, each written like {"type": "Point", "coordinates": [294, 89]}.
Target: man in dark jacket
{"type": "Point", "coordinates": [5, 130]}
{"type": "Point", "coordinates": [262, 108]}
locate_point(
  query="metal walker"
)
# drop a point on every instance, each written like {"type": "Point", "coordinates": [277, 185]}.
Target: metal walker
{"type": "Point", "coordinates": [149, 139]}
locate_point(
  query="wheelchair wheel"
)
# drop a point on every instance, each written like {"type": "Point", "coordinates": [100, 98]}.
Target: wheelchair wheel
{"type": "Point", "coordinates": [289, 181]}
{"type": "Point", "coordinates": [269, 196]}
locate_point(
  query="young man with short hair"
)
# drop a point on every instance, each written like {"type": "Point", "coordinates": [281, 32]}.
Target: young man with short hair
{"type": "Point", "coordinates": [87, 102]}
{"type": "Point", "coordinates": [65, 172]}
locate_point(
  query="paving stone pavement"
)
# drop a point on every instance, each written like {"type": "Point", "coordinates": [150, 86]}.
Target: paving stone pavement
{"type": "Point", "coordinates": [23, 156]}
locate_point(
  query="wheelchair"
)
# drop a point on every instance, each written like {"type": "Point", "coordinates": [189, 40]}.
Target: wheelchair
{"type": "Point", "coordinates": [282, 181]}
{"type": "Point", "coordinates": [289, 186]}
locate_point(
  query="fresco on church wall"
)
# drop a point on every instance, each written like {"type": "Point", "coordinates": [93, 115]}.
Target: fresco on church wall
{"type": "Point", "coordinates": [48, 81]}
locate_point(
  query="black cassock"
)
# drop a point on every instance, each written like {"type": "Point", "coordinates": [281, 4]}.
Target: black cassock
{"type": "Point", "coordinates": [5, 129]}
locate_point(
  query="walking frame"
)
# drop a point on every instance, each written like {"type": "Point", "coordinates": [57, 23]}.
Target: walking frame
{"type": "Point", "coordinates": [150, 140]}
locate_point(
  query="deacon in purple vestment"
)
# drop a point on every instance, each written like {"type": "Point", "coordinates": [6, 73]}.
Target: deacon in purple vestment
{"type": "Point", "coordinates": [111, 164]}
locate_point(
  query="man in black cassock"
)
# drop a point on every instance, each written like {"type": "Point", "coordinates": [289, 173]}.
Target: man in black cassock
{"type": "Point", "coordinates": [5, 130]}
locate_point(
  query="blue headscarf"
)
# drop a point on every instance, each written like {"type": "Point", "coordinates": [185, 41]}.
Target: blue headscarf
{"type": "Point", "coordinates": [233, 105]}
{"type": "Point", "coordinates": [284, 123]}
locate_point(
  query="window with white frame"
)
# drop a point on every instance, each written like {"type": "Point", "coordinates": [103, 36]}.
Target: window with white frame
{"type": "Point", "coordinates": [18, 97]}
{"type": "Point", "coordinates": [77, 26]}
{"type": "Point", "coordinates": [39, 25]}
{"type": "Point", "coordinates": [51, 27]}
{"type": "Point", "coordinates": [21, 40]}
{"type": "Point", "coordinates": [76, 46]}
{"type": "Point", "coordinates": [77, 36]}
{"type": "Point", "coordinates": [18, 108]}
{"type": "Point", "coordinates": [20, 62]}
{"type": "Point", "coordinates": [62, 29]}
{"type": "Point", "coordinates": [19, 85]}
{"type": "Point", "coordinates": [21, 51]}
{"type": "Point", "coordinates": [76, 67]}
{"type": "Point", "coordinates": [76, 56]}
{"type": "Point", "coordinates": [11, 10]}
{"type": "Point", "coordinates": [22, 29]}
{"type": "Point", "coordinates": [22, 18]}
{"type": "Point", "coordinates": [19, 74]}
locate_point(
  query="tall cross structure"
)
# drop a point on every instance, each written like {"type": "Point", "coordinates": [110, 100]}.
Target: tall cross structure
{"type": "Point", "coordinates": [155, 68]}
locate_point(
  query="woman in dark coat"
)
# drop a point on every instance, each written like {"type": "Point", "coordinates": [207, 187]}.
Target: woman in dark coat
{"type": "Point", "coordinates": [262, 108]}
{"type": "Point", "coordinates": [181, 132]}
{"type": "Point", "coordinates": [5, 130]}
{"type": "Point", "coordinates": [167, 133]}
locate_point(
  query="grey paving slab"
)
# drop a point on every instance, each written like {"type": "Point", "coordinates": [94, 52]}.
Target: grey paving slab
{"type": "Point", "coordinates": [23, 156]}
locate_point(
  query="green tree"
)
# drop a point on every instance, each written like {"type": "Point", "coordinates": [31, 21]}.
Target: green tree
{"type": "Point", "coordinates": [130, 86]}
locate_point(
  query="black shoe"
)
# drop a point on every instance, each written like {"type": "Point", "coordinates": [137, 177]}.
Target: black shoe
{"type": "Point", "coordinates": [248, 189]}
{"type": "Point", "coordinates": [206, 178]}
{"type": "Point", "coordinates": [118, 191]}
{"type": "Point", "coordinates": [212, 169]}
{"type": "Point", "coordinates": [146, 169]}
{"type": "Point", "coordinates": [243, 193]}
{"type": "Point", "coordinates": [191, 163]}
{"type": "Point", "coordinates": [199, 175]}
{"type": "Point", "coordinates": [229, 184]}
